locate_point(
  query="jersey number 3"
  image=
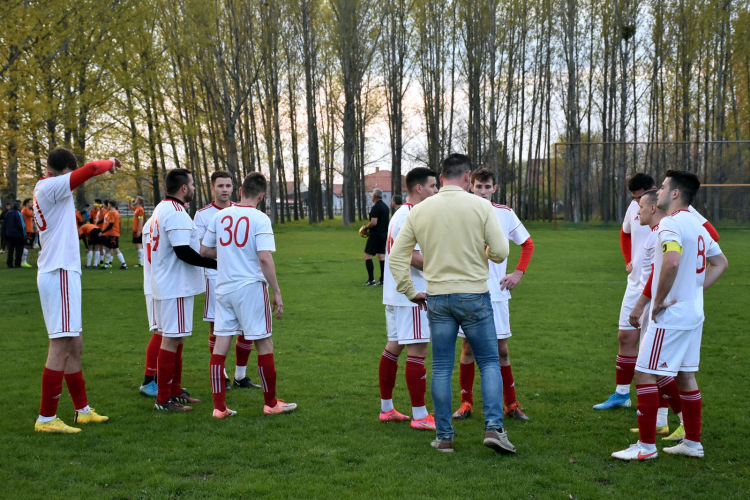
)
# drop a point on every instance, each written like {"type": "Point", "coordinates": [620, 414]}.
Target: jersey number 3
{"type": "Point", "coordinates": [231, 232]}
{"type": "Point", "coordinates": [701, 256]}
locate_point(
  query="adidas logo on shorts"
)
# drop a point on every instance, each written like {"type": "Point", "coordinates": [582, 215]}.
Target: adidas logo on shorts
{"type": "Point", "coordinates": [663, 365]}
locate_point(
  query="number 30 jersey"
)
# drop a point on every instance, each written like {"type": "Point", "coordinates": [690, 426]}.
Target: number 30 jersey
{"type": "Point", "coordinates": [170, 227]}
{"type": "Point", "coordinates": [238, 233]}
{"type": "Point", "coordinates": [683, 228]}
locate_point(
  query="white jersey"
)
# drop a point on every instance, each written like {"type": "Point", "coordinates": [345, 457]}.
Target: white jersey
{"type": "Point", "coordinates": [390, 296]}
{"type": "Point", "coordinates": [202, 218]}
{"type": "Point", "coordinates": [514, 231]}
{"type": "Point", "coordinates": [55, 217]}
{"type": "Point", "coordinates": [687, 290]}
{"type": "Point", "coordinates": [146, 242]}
{"type": "Point", "coordinates": [171, 226]}
{"type": "Point", "coordinates": [238, 233]}
{"type": "Point", "coordinates": [638, 235]}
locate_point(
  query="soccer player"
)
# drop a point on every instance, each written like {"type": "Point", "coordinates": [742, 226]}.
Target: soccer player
{"type": "Point", "coordinates": [240, 237]}
{"type": "Point", "coordinates": [686, 262]}
{"type": "Point", "coordinates": [378, 228]}
{"type": "Point", "coordinates": [28, 218]}
{"type": "Point", "coordinates": [91, 235]}
{"type": "Point", "coordinates": [406, 322]}
{"type": "Point", "coordinates": [149, 387]}
{"type": "Point", "coordinates": [632, 239]}
{"type": "Point", "coordinates": [99, 221]}
{"type": "Point", "coordinates": [176, 278]}
{"type": "Point", "coordinates": [138, 218]}
{"type": "Point", "coordinates": [500, 284]}
{"type": "Point", "coordinates": [59, 282]}
{"type": "Point", "coordinates": [222, 188]}
{"type": "Point", "coordinates": [112, 235]}
{"type": "Point", "coordinates": [94, 212]}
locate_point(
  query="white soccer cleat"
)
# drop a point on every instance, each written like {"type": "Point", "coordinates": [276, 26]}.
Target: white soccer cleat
{"type": "Point", "coordinates": [683, 448]}
{"type": "Point", "coordinates": [635, 452]}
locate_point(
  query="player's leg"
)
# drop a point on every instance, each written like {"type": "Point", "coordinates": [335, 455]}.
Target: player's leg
{"type": "Point", "coordinates": [669, 392]}
{"type": "Point", "coordinates": [29, 241]}
{"type": "Point", "coordinates": [116, 249]}
{"type": "Point", "coordinates": [414, 333]}
{"type": "Point", "coordinates": [381, 260]}
{"type": "Point", "coordinates": [52, 381]}
{"type": "Point", "coordinates": [370, 268]}
{"type": "Point", "coordinates": [242, 349]}
{"type": "Point", "coordinates": [149, 387]}
{"type": "Point", "coordinates": [84, 414]}
{"type": "Point", "coordinates": [465, 380]}
{"type": "Point", "coordinates": [227, 326]}
{"type": "Point", "coordinates": [174, 319]}
{"type": "Point", "coordinates": [388, 369]}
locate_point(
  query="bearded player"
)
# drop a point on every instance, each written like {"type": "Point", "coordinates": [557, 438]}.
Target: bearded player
{"type": "Point", "coordinates": [222, 188]}
{"type": "Point", "coordinates": [59, 282]}
{"type": "Point", "coordinates": [240, 237]}
{"type": "Point", "coordinates": [686, 262]}
{"type": "Point", "coordinates": [406, 322]}
{"type": "Point", "coordinates": [500, 284]}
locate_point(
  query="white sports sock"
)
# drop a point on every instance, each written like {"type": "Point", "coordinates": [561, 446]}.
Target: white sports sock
{"type": "Point", "coordinates": [661, 417]}
{"type": "Point", "coordinates": [89, 256]}
{"type": "Point", "coordinates": [121, 258]}
{"type": "Point", "coordinates": [25, 255]}
{"type": "Point", "coordinates": [419, 412]}
{"type": "Point", "coordinates": [386, 405]}
{"type": "Point", "coordinates": [44, 420]}
{"type": "Point", "coordinates": [96, 258]}
{"type": "Point", "coordinates": [680, 415]}
{"type": "Point", "coordinates": [140, 256]}
{"type": "Point", "coordinates": [87, 409]}
{"type": "Point", "coordinates": [239, 372]}
{"type": "Point", "coordinates": [622, 389]}
{"type": "Point", "coordinates": [109, 258]}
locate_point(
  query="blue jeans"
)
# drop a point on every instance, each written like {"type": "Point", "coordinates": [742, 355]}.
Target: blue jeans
{"type": "Point", "coordinates": [473, 312]}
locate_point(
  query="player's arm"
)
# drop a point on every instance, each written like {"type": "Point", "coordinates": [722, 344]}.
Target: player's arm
{"type": "Point", "coordinates": [716, 267]}
{"type": "Point", "coordinates": [92, 169]}
{"type": "Point", "coordinates": [269, 272]}
{"type": "Point", "coordinates": [637, 312]}
{"type": "Point", "coordinates": [373, 222]}
{"type": "Point", "coordinates": [109, 227]}
{"type": "Point", "coordinates": [626, 249]}
{"type": "Point", "coordinates": [189, 256]}
{"type": "Point", "coordinates": [208, 252]}
{"type": "Point", "coordinates": [417, 260]}
{"type": "Point", "coordinates": [399, 260]}
{"type": "Point", "coordinates": [669, 268]}
{"type": "Point", "coordinates": [712, 232]}
{"type": "Point", "coordinates": [497, 244]}
{"type": "Point", "coordinates": [511, 280]}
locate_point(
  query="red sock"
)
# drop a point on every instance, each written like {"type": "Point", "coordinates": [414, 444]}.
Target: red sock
{"type": "Point", "coordinates": [691, 414]}
{"type": "Point", "coordinates": [176, 388]}
{"type": "Point", "coordinates": [152, 354]}
{"type": "Point", "coordinates": [242, 350]}
{"type": "Point", "coordinates": [216, 369]}
{"type": "Point", "coordinates": [77, 389]}
{"type": "Point", "coordinates": [670, 393]}
{"type": "Point", "coordinates": [466, 381]}
{"type": "Point", "coordinates": [625, 370]}
{"type": "Point", "coordinates": [267, 372]}
{"type": "Point", "coordinates": [509, 386]}
{"type": "Point", "coordinates": [648, 406]}
{"type": "Point", "coordinates": [416, 380]}
{"type": "Point", "coordinates": [51, 391]}
{"type": "Point", "coordinates": [165, 371]}
{"type": "Point", "coordinates": [387, 373]}
{"type": "Point", "coordinates": [211, 343]}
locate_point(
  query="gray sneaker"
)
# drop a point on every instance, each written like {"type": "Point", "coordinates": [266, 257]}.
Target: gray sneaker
{"type": "Point", "coordinates": [498, 441]}
{"type": "Point", "coordinates": [444, 445]}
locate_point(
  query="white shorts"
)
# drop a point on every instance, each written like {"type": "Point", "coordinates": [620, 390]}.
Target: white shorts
{"type": "Point", "coordinates": [666, 352]}
{"type": "Point", "coordinates": [629, 301]}
{"type": "Point", "coordinates": [407, 325]}
{"type": "Point", "coordinates": [150, 312]}
{"type": "Point", "coordinates": [60, 294]}
{"type": "Point", "coordinates": [246, 311]}
{"type": "Point", "coordinates": [501, 315]}
{"type": "Point", "coordinates": [209, 305]}
{"type": "Point", "coordinates": [174, 317]}
{"type": "Point", "coordinates": [645, 320]}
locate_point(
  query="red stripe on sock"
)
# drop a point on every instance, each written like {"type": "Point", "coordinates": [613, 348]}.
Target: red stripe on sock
{"type": "Point", "coordinates": [267, 372]}
{"type": "Point", "coordinates": [416, 380]}
{"type": "Point", "coordinates": [692, 407]}
{"type": "Point", "coordinates": [625, 370]}
{"type": "Point", "coordinates": [216, 372]}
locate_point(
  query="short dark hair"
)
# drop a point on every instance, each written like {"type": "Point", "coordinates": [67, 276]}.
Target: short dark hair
{"type": "Point", "coordinates": [397, 200]}
{"type": "Point", "coordinates": [16, 206]}
{"type": "Point", "coordinates": [106, 202]}
{"type": "Point", "coordinates": [418, 175]}
{"type": "Point", "coordinates": [686, 182]}
{"type": "Point", "coordinates": [483, 175]}
{"type": "Point", "coordinates": [640, 181]}
{"type": "Point", "coordinates": [220, 174]}
{"type": "Point", "coordinates": [25, 201]}
{"type": "Point", "coordinates": [97, 200]}
{"type": "Point", "coordinates": [87, 205]}
{"type": "Point", "coordinates": [176, 178]}
{"type": "Point", "coordinates": [650, 195]}
{"type": "Point", "coordinates": [455, 165]}
{"type": "Point", "coordinates": [60, 158]}
{"type": "Point", "coordinates": [254, 184]}
{"type": "Point", "coordinates": [113, 203]}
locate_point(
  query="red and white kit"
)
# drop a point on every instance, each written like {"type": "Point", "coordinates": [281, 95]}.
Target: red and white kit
{"type": "Point", "coordinates": [59, 273]}
{"type": "Point", "coordinates": [637, 234]}
{"type": "Point", "coordinates": [147, 288]}
{"type": "Point", "coordinates": [405, 322]}
{"type": "Point", "coordinates": [672, 342]}
{"type": "Point", "coordinates": [174, 282]}
{"type": "Point", "coordinates": [203, 218]}
{"type": "Point", "coordinates": [516, 232]}
{"type": "Point", "coordinates": [242, 299]}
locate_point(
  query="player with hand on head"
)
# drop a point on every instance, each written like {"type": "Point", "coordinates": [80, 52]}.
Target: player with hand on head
{"type": "Point", "coordinates": [406, 322]}
{"type": "Point", "coordinates": [687, 262]}
{"type": "Point", "coordinates": [176, 278]}
{"type": "Point", "coordinates": [139, 215]}
{"type": "Point", "coordinates": [59, 282]}
{"type": "Point", "coordinates": [222, 188]}
{"type": "Point", "coordinates": [500, 284]}
{"type": "Point", "coordinates": [240, 237]}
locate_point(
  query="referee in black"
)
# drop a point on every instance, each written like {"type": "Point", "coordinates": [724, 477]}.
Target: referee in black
{"type": "Point", "coordinates": [378, 227]}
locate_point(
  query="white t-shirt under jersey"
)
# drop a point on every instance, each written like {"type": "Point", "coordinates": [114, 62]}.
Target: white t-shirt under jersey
{"type": "Point", "coordinates": [146, 242]}
{"type": "Point", "coordinates": [170, 227]}
{"type": "Point", "coordinates": [516, 232]}
{"type": "Point", "coordinates": [202, 218]}
{"type": "Point", "coordinates": [638, 235]}
{"type": "Point", "coordinates": [686, 230]}
{"type": "Point", "coordinates": [55, 217]}
{"type": "Point", "coordinates": [390, 296]}
{"type": "Point", "coordinates": [238, 233]}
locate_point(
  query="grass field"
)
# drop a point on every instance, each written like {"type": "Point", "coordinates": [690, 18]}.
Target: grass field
{"type": "Point", "coordinates": [564, 317]}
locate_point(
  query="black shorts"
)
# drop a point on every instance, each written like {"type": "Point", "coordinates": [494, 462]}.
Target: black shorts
{"type": "Point", "coordinates": [111, 242]}
{"type": "Point", "coordinates": [29, 240]}
{"type": "Point", "coordinates": [137, 240]}
{"type": "Point", "coordinates": [95, 237]}
{"type": "Point", "coordinates": [376, 243]}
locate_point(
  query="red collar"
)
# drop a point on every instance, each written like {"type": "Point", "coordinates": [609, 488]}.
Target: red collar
{"type": "Point", "coordinates": [243, 206]}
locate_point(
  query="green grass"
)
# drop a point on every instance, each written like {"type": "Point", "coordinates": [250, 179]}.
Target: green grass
{"type": "Point", "coordinates": [564, 317]}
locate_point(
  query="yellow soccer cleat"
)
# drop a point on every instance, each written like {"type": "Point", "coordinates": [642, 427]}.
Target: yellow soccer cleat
{"type": "Point", "coordinates": [89, 418]}
{"type": "Point", "coordinates": [55, 426]}
{"type": "Point", "coordinates": [661, 430]}
{"type": "Point", "coordinates": [677, 435]}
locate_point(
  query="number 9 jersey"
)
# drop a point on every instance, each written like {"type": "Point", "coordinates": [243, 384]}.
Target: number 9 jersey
{"type": "Point", "coordinates": [238, 233]}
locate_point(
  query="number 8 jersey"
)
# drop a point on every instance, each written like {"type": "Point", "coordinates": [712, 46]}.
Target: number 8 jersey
{"type": "Point", "coordinates": [685, 229]}
{"type": "Point", "coordinates": [238, 233]}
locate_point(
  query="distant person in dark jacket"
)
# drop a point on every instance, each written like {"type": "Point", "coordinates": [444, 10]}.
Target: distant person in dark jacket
{"type": "Point", "coordinates": [14, 232]}
{"type": "Point", "coordinates": [5, 211]}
